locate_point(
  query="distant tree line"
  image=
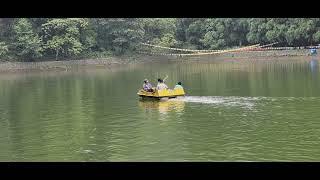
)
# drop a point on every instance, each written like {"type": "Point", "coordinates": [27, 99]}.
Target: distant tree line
{"type": "Point", "coordinates": [36, 39]}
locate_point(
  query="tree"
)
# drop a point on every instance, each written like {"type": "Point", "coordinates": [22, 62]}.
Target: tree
{"type": "Point", "coordinates": [301, 31]}
{"type": "Point", "coordinates": [34, 38]}
{"type": "Point", "coordinates": [27, 43]}
{"type": "Point", "coordinates": [3, 49]}
{"type": "Point", "coordinates": [215, 34]}
{"type": "Point", "coordinates": [158, 27]}
{"type": "Point", "coordinates": [6, 31]}
{"type": "Point", "coordinates": [88, 37]}
{"type": "Point", "coordinates": [182, 25]}
{"type": "Point", "coordinates": [119, 35]}
{"type": "Point", "coordinates": [257, 30]}
{"type": "Point", "coordinates": [276, 32]}
{"type": "Point", "coordinates": [168, 40]}
{"type": "Point", "coordinates": [316, 37]}
{"type": "Point", "coordinates": [63, 35]}
{"type": "Point", "coordinates": [195, 32]}
{"type": "Point", "coordinates": [126, 35]}
{"type": "Point", "coordinates": [238, 31]}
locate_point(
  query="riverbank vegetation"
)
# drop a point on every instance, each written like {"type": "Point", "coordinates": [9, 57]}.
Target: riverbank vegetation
{"type": "Point", "coordinates": [39, 39]}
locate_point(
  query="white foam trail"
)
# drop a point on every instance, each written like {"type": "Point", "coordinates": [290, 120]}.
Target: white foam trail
{"type": "Point", "coordinates": [227, 101]}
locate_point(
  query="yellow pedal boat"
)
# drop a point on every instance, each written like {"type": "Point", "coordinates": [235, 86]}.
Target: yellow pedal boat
{"type": "Point", "coordinates": [160, 94]}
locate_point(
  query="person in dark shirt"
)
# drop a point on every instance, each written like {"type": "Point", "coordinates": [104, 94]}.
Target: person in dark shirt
{"type": "Point", "coordinates": [179, 85]}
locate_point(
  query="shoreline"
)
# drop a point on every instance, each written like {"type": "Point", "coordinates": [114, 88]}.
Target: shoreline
{"type": "Point", "coordinates": [113, 62]}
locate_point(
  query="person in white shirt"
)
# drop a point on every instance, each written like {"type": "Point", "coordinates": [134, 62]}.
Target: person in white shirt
{"type": "Point", "coordinates": [161, 85]}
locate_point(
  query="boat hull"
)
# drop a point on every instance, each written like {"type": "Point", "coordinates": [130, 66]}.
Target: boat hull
{"type": "Point", "coordinates": [161, 94]}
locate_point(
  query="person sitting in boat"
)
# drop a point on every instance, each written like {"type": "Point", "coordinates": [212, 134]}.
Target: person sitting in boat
{"type": "Point", "coordinates": [161, 85]}
{"type": "Point", "coordinates": [178, 86]}
{"type": "Point", "coordinates": [147, 86]}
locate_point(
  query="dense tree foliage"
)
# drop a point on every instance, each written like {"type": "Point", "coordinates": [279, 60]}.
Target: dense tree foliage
{"type": "Point", "coordinates": [3, 49]}
{"type": "Point", "coordinates": [29, 39]}
{"type": "Point", "coordinates": [63, 35]}
{"type": "Point", "coordinates": [26, 43]}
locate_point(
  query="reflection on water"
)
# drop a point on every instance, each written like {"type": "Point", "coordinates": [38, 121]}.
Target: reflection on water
{"type": "Point", "coordinates": [314, 66]}
{"type": "Point", "coordinates": [234, 111]}
{"type": "Point", "coordinates": [163, 106]}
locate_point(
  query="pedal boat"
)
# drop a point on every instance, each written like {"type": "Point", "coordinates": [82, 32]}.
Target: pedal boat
{"type": "Point", "coordinates": [161, 94]}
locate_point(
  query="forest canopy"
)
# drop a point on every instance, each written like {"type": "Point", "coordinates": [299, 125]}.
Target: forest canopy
{"type": "Point", "coordinates": [36, 39]}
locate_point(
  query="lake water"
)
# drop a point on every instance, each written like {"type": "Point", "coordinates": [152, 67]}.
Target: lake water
{"type": "Point", "coordinates": [234, 111]}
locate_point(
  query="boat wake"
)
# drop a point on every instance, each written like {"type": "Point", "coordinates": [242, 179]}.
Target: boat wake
{"type": "Point", "coordinates": [248, 102]}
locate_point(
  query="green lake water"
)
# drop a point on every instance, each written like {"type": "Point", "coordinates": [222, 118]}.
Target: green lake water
{"type": "Point", "coordinates": [234, 111]}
